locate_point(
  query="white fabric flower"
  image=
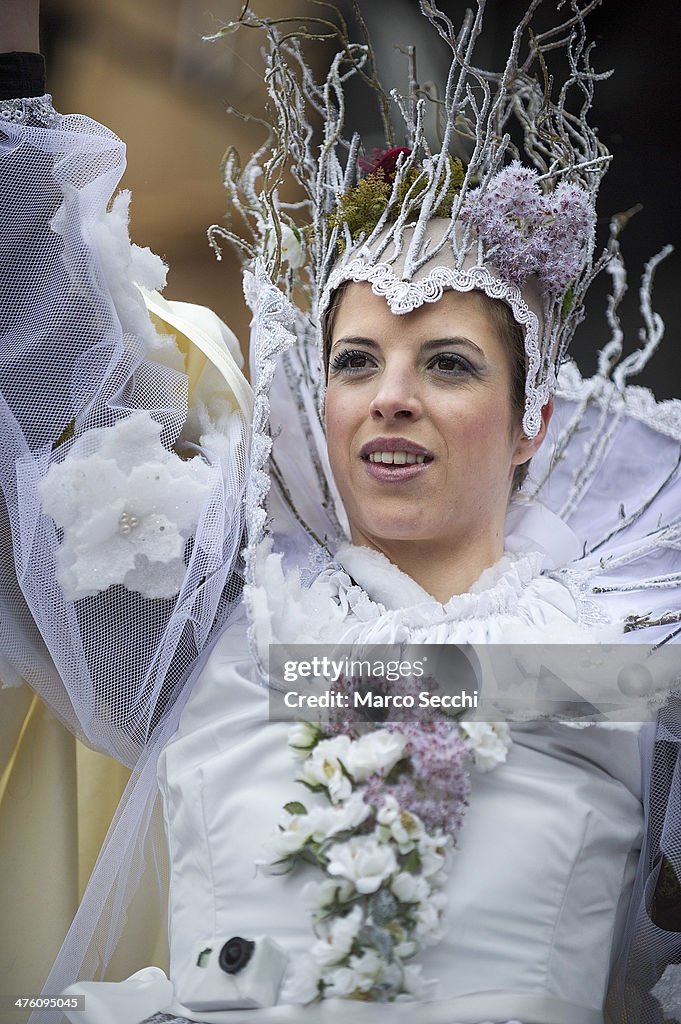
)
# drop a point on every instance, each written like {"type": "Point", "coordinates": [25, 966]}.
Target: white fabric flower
{"type": "Point", "coordinates": [364, 861]}
{"type": "Point", "coordinates": [302, 737]}
{"type": "Point", "coordinates": [489, 741]}
{"type": "Point", "coordinates": [292, 251]}
{"type": "Point", "coordinates": [396, 823]}
{"type": "Point", "coordinates": [301, 985]}
{"type": "Point", "coordinates": [318, 824]}
{"type": "Point", "coordinates": [410, 888]}
{"type": "Point", "coordinates": [322, 768]}
{"type": "Point", "coordinates": [428, 923]}
{"type": "Point", "coordinates": [291, 838]}
{"type": "Point", "coordinates": [317, 896]}
{"type": "Point", "coordinates": [360, 976]}
{"type": "Point", "coordinates": [375, 751]}
{"type": "Point", "coordinates": [329, 821]}
{"type": "Point", "coordinates": [432, 850]}
{"type": "Point", "coordinates": [413, 981]}
{"type": "Point", "coordinates": [126, 506]}
{"type": "Point", "coordinates": [338, 942]}
{"type": "Point", "coordinates": [405, 949]}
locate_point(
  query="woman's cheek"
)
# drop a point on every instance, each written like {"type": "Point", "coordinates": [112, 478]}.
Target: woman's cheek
{"type": "Point", "coordinates": [337, 439]}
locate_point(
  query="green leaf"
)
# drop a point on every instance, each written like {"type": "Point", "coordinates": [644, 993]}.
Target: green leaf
{"type": "Point", "coordinates": [346, 773]}
{"type": "Point", "coordinates": [412, 862]}
{"type": "Point", "coordinates": [568, 300]}
{"type": "Point", "coordinates": [295, 807]}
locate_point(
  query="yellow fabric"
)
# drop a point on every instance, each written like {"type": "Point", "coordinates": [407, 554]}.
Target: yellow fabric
{"type": "Point", "coordinates": [56, 801]}
{"type": "Point", "coordinates": [202, 339]}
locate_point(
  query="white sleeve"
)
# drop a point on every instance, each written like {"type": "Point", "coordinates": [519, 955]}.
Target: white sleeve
{"type": "Point", "coordinates": [122, 467]}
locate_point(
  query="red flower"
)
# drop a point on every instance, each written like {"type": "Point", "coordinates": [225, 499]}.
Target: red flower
{"type": "Point", "coordinates": [384, 160]}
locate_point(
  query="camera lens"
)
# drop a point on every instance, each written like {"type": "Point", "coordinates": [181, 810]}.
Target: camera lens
{"type": "Point", "coordinates": [235, 954]}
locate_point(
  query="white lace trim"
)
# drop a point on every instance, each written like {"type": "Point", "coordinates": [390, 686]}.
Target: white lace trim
{"type": "Point", "coordinates": [273, 315]}
{"type": "Point", "coordinates": [635, 401]}
{"type": "Point", "coordinates": [32, 110]}
{"type": "Point", "coordinates": [405, 296]}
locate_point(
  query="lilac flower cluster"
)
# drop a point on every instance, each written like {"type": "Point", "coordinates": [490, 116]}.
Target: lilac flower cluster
{"type": "Point", "coordinates": [348, 718]}
{"type": "Point", "coordinates": [531, 232]}
{"type": "Point", "coordinates": [436, 786]}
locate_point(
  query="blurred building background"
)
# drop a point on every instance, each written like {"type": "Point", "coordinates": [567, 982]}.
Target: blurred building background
{"type": "Point", "coordinates": [144, 70]}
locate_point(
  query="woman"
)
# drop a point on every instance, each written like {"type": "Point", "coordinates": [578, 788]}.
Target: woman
{"type": "Point", "coordinates": [427, 427]}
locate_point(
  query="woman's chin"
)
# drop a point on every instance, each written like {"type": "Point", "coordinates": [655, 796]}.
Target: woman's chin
{"type": "Point", "coordinates": [385, 534]}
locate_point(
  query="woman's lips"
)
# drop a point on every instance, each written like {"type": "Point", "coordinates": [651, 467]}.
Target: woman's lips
{"type": "Point", "coordinates": [395, 473]}
{"type": "Point", "coordinates": [395, 459]}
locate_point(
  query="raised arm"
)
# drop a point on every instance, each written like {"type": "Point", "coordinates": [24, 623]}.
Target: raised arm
{"type": "Point", "coordinates": [121, 479]}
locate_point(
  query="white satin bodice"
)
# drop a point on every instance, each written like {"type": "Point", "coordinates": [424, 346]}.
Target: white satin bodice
{"type": "Point", "coordinates": [545, 858]}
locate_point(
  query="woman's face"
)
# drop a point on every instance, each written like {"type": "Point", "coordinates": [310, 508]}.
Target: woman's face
{"type": "Point", "coordinates": [421, 432]}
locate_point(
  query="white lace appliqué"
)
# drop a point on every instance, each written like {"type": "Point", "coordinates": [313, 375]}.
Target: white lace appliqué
{"type": "Point", "coordinates": [126, 506]}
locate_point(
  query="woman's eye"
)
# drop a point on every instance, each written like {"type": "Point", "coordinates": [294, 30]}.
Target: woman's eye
{"type": "Point", "coordinates": [351, 361]}
{"type": "Point", "coordinates": [449, 362]}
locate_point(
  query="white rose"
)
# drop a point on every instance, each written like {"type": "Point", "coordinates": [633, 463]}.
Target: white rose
{"type": "Point", "coordinates": [405, 949]}
{"type": "Point", "coordinates": [363, 861]}
{"type": "Point", "coordinates": [292, 251]}
{"type": "Point", "coordinates": [328, 821]}
{"type": "Point", "coordinates": [489, 741]}
{"type": "Point", "coordinates": [302, 984]}
{"type": "Point", "coordinates": [322, 768]}
{"type": "Point", "coordinates": [317, 896]}
{"type": "Point", "coordinates": [398, 824]}
{"type": "Point", "coordinates": [432, 851]}
{"type": "Point", "coordinates": [338, 943]}
{"type": "Point", "coordinates": [291, 838]}
{"type": "Point", "coordinates": [361, 975]}
{"type": "Point", "coordinates": [410, 888]}
{"type": "Point", "coordinates": [413, 981]}
{"type": "Point", "coordinates": [302, 737]}
{"type": "Point", "coordinates": [375, 751]}
{"type": "Point", "coordinates": [428, 923]}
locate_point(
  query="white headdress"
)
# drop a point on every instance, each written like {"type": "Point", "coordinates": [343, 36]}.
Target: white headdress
{"type": "Point", "coordinates": [519, 231]}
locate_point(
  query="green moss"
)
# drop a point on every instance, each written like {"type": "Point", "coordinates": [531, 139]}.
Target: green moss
{"type": "Point", "coordinates": [362, 206]}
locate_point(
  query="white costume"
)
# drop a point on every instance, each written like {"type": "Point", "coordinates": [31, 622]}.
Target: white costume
{"type": "Point", "coordinates": [130, 494]}
{"type": "Point", "coordinates": [559, 826]}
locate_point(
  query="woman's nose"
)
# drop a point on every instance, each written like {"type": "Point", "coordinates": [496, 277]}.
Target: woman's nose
{"type": "Point", "coordinates": [396, 397]}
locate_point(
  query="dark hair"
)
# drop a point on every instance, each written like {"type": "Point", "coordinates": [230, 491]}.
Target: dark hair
{"type": "Point", "coordinates": [512, 335]}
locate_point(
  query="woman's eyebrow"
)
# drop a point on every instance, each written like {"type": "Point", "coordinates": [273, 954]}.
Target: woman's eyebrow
{"type": "Point", "coordinates": [460, 342]}
{"type": "Point", "coordinates": [428, 346]}
{"type": "Point", "coordinates": [355, 340]}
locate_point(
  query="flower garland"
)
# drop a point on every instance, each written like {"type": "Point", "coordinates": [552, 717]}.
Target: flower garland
{"type": "Point", "coordinates": [380, 900]}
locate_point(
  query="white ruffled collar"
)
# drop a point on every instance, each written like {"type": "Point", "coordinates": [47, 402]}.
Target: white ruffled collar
{"type": "Point", "coordinates": [496, 590]}
{"type": "Point", "coordinates": [362, 597]}
{"type": "Point", "coordinates": [535, 541]}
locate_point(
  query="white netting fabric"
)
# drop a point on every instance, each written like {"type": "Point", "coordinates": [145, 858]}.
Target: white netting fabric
{"type": "Point", "coordinates": [78, 361]}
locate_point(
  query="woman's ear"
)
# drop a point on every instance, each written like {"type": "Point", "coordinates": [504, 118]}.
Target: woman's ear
{"type": "Point", "coordinates": [528, 446]}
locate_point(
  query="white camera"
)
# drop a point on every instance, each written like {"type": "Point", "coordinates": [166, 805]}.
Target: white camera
{"type": "Point", "coordinates": [239, 974]}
